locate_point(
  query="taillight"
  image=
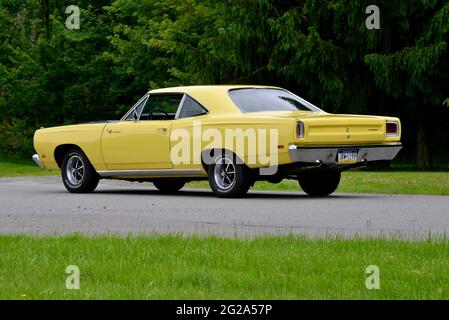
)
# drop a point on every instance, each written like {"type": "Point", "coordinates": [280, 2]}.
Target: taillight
{"type": "Point", "coordinates": [300, 129]}
{"type": "Point", "coordinates": [392, 128]}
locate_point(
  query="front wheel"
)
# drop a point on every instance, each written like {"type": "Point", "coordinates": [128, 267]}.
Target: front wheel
{"type": "Point", "coordinates": [78, 175]}
{"type": "Point", "coordinates": [169, 185]}
{"type": "Point", "coordinates": [228, 178]}
{"type": "Point", "coordinates": [320, 183]}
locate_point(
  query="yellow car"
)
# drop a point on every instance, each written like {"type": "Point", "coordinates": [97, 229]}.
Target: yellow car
{"type": "Point", "coordinates": [231, 136]}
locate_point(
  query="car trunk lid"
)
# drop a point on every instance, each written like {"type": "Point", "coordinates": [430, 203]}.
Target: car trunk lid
{"type": "Point", "coordinates": [343, 129]}
{"type": "Point", "coordinates": [322, 128]}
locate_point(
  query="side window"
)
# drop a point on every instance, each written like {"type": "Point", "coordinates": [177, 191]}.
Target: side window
{"type": "Point", "coordinates": [191, 108]}
{"type": "Point", "coordinates": [137, 110]}
{"type": "Point", "coordinates": [161, 107]}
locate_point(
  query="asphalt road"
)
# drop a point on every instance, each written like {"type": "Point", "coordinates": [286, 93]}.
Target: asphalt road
{"type": "Point", "coordinates": [41, 206]}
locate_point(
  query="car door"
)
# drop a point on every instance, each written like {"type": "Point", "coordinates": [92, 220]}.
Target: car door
{"type": "Point", "coordinates": [141, 141]}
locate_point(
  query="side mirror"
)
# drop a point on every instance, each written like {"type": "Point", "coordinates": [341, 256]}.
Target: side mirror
{"type": "Point", "coordinates": [135, 116]}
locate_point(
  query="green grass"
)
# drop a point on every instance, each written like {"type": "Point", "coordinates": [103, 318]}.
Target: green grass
{"type": "Point", "coordinates": [362, 181]}
{"type": "Point", "coordinates": [10, 167]}
{"type": "Point", "coordinates": [355, 181]}
{"type": "Point", "coordinates": [173, 267]}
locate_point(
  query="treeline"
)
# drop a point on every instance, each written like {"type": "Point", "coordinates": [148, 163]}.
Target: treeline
{"type": "Point", "coordinates": [320, 49]}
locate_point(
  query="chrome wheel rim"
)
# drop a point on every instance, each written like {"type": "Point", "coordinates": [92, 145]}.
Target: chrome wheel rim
{"type": "Point", "coordinates": [224, 173]}
{"type": "Point", "coordinates": [75, 170]}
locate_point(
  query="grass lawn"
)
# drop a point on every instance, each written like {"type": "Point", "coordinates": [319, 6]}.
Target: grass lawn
{"type": "Point", "coordinates": [21, 167]}
{"type": "Point", "coordinates": [361, 181]}
{"type": "Point", "coordinates": [173, 267]}
{"type": "Point", "coordinates": [354, 181]}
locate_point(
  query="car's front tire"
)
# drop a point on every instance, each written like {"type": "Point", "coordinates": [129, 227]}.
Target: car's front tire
{"type": "Point", "coordinates": [169, 185]}
{"type": "Point", "coordinates": [228, 178]}
{"type": "Point", "coordinates": [78, 174]}
{"type": "Point", "coordinates": [320, 183]}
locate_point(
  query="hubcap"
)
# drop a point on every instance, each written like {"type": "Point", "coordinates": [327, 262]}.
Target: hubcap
{"type": "Point", "coordinates": [224, 173]}
{"type": "Point", "coordinates": [75, 170]}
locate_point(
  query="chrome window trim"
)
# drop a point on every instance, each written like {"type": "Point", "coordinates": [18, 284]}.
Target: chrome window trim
{"type": "Point", "coordinates": [178, 111]}
{"type": "Point", "coordinates": [165, 94]}
{"type": "Point", "coordinates": [303, 101]}
{"type": "Point", "coordinates": [182, 105]}
{"type": "Point", "coordinates": [146, 96]}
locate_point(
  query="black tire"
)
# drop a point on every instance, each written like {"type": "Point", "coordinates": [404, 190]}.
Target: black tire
{"type": "Point", "coordinates": [86, 180]}
{"type": "Point", "coordinates": [320, 183]}
{"type": "Point", "coordinates": [237, 184]}
{"type": "Point", "coordinates": [169, 185]}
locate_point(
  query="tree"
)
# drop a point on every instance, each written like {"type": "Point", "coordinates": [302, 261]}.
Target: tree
{"type": "Point", "coordinates": [325, 47]}
{"type": "Point", "coordinates": [416, 73]}
{"type": "Point", "coordinates": [320, 49]}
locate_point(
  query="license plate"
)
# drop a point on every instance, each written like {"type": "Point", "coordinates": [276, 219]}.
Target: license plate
{"type": "Point", "coordinates": [347, 156]}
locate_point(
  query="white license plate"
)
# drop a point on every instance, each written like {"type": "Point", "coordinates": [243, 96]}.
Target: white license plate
{"type": "Point", "coordinates": [347, 156]}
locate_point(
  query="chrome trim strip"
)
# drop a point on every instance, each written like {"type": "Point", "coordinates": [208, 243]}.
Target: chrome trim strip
{"type": "Point", "coordinates": [151, 173]}
{"type": "Point", "coordinates": [178, 111]}
{"type": "Point", "coordinates": [181, 104]}
{"type": "Point", "coordinates": [328, 155]}
{"type": "Point", "coordinates": [135, 106]}
{"type": "Point", "coordinates": [348, 146]}
{"type": "Point", "coordinates": [38, 161]}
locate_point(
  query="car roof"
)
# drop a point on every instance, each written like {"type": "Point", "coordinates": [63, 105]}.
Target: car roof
{"type": "Point", "coordinates": [214, 98]}
{"type": "Point", "coordinates": [224, 87]}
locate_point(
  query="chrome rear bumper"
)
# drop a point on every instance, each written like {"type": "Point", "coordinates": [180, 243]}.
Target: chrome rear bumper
{"type": "Point", "coordinates": [328, 154]}
{"type": "Point", "coordinates": [38, 161]}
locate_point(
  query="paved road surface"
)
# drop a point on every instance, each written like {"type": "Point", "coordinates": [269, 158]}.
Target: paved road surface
{"type": "Point", "coordinates": [40, 206]}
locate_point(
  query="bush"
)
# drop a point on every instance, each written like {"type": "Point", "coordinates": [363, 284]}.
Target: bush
{"type": "Point", "coordinates": [16, 137]}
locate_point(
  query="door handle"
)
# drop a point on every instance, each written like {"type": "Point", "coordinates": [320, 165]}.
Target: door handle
{"type": "Point", "coordinates": [111, 131]}
{"type": "Point", "coordinates": [162, 130]}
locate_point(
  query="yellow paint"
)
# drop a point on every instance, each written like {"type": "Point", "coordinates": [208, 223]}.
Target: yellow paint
{"type": "Point", "coordinates": [146, 144]}
{"type": "Point", "coordinates": [128, 145]}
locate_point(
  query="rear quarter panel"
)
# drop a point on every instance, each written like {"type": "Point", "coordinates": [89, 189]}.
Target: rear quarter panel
{"type": "Point", "coordinates": [205, 127]}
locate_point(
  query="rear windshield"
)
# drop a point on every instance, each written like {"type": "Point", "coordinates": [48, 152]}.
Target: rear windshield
{"type": "Point", "coordinates": [262, 99]}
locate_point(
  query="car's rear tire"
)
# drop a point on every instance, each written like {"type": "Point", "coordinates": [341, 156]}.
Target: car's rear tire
{"type": "Point", "coordinates": [320, 183]}
{"type": "Point", "coordinates": [169, 185]}
{"type": "Point", "coordinates": [228, 178]}
{"type": "Point", "coordinates": [78, 174]}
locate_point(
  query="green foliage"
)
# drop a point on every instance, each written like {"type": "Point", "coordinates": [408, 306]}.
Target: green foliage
{"type": "Point", "coordinates": [320, 49]}
{"type": "Point", "coordinates": [16, 137]}
{"type": "Point", "coordinates": [446, 102]}
{"type": "Point", "coordinates": [415, 70]}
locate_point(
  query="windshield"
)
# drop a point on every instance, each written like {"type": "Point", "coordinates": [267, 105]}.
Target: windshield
{"type": "Point", "coordinates": [264, 99]}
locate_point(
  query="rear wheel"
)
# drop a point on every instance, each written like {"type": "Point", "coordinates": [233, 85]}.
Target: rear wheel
{"type": "Point", "coordinates": [320, 183]}
{"type": "Point", "coordinates": [78, 175]}
{"type": "Point", "coordinates": [169, 185]}
{"type": "Point", "coordinates": [228, 178]}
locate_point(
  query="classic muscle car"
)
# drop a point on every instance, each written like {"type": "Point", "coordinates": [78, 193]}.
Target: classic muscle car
{"type": "Point", "coordinates": [231, 136]}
